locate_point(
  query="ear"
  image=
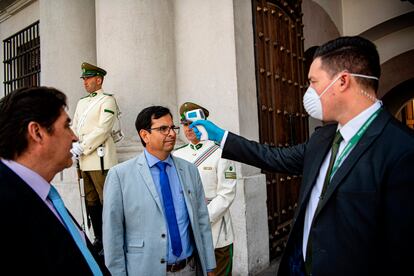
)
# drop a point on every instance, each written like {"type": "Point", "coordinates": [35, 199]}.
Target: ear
{"type": "Point", "coordinates": [344, 81]}
{"type": "Point", "coordinates": [144, 134]}
{"type": "Point", "coordinates": [35, 132]}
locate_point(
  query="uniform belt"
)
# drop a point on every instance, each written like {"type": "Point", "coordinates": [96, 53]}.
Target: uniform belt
{"type": "Point", "coordinates": [175, 267]}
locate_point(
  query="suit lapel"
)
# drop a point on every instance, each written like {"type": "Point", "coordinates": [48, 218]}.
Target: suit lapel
{"type": "Point", "coordinates": [366, 140]}
{"type": "Point", "coordinates": [318, 152]}
{"type": "Point", "coordinates": [145, 173]}
{"type": "Point", "coordinates": [182, 175]}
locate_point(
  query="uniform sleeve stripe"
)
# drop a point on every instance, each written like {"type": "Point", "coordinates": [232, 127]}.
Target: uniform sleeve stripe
{"type": "Point", "coordinates": [205, 155]}
{"type": "Point", "coordinates": [109, 111]}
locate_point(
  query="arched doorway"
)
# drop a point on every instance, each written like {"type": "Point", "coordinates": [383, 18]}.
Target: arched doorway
{"type": "Point", "coordinates": [400, 102]}
{"type": "Point", "coordinates": [397, 86]}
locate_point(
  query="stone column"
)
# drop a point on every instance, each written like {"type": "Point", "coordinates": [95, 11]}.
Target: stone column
{"type": "Point", "coordinates": [67, 38]}
{"type": "Point", "coordinates": [135, 43]}
{"type": "Point", "coordinates": [215, 68]}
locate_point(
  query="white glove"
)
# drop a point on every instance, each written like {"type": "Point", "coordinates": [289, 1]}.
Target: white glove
{"type": "Point", "coordinates": [76, 150]}
{"type": "Point", "coordinates": [75, 158]}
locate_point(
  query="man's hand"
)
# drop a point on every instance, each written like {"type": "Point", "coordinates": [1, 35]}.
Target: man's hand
{"type": "Point", "coordinates": [76, 150]}
{"type": "Point", "coordinates": [211, 273]}
{"type": "Point", "coordinates": [214, 132]}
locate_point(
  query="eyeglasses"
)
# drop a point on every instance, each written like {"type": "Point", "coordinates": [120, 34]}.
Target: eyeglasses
{"type": "Point", "coordinates": [165, 130]}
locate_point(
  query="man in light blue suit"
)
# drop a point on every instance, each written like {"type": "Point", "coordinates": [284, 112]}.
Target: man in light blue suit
{"type": "Point", "coordinates": [155, 219]}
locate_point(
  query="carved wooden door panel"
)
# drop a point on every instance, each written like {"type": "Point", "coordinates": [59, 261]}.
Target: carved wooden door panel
{"type": "Point", "coordinates": [278, 31]}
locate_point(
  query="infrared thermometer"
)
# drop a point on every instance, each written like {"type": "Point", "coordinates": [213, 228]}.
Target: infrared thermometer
{"type": "Point", "coordinates": [194, 115]}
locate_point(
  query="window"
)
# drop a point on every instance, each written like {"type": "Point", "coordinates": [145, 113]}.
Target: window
{"type": "Point", "coordinates": [21, 53]}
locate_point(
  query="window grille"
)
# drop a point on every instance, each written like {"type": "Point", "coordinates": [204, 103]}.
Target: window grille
{"type": "Point", "coordinates": [21, 53]}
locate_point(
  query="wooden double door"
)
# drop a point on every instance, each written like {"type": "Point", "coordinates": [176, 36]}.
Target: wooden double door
{"type": "Point", "coordinates": [281, 83]}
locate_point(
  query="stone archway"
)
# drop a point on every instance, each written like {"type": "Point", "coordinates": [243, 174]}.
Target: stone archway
{"type": "Point", "coordinates": [397, 83]}
{"type": "Point", "coordinates": [398, 96]}
{"type": "Point", "coordinates": [318, 25]}
{"type": "Point", "coordinates": [396, 71]}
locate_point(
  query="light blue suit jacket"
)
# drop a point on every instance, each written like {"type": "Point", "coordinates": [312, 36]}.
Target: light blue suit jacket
{"type": "Point", "coordinates": [134, 228]}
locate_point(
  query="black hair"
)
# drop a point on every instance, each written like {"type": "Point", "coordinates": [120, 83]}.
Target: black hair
{"type": "Point", "coordinates": [20, 107]}
{"type": "Point", "coordinates": [354, 54]}
{"type": "Point", "coordinates": [144, 118]}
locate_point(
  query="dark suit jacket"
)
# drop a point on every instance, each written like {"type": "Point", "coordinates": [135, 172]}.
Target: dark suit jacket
{"type": "Point", "coordinates": [366, 223]}
{"type": "Point", "coordinates": [33, 240]}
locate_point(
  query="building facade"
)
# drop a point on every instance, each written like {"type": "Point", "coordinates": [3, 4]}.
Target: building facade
{"type": "Point", "coordinates": [166, 52]}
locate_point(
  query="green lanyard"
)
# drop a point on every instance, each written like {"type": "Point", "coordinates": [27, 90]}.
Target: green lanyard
{"type": "Point", "coordinates": [354, 140]}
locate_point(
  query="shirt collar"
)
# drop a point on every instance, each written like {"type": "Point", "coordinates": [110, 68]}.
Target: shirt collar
{"type": "Point", "coordinates": [152, 160]}
{"type": "Point", "coordinates": [97, 92]}
{"type": "Point", "coordinates": [32, 178]}
{"type": "Point", "coordinates": [196, 146]}
{"type": "Point", "coordinates": [351, 128]}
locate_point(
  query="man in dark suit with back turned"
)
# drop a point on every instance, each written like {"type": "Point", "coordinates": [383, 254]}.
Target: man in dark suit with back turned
{"type": "Point", "coordinates": [38, 235]}
{"type": "Point", "coordinates": [355, 212]}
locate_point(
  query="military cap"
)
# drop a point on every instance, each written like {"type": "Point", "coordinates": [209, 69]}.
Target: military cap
{"type": "Point", "coordinates": [89, 70]}
{"type": "Point", "coordinates": [188, 106]}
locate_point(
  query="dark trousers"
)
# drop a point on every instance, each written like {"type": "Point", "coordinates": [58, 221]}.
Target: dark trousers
{"type": "Point", "coordinates": [224, 260]}
{"type": "Point", "coordinates": [94, 182]}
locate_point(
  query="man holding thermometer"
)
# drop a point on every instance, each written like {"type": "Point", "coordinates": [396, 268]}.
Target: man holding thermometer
{"type": "Point", "coordinates": [355, 213]}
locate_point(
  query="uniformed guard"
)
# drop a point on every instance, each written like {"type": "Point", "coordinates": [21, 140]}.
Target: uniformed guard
{"type": "Point", "coordinates": [219, 179]}
{"type": "Point", "coordinates": [93, 121]}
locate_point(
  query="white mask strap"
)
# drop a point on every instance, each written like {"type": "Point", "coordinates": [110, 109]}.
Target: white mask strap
{"type": "Point", "coordinates": [329, 86]}
{"type": "Point", "coordinates": [364, 76]}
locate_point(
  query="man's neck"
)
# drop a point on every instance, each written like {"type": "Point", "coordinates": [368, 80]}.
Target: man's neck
{"type": "Point", "coordinates": [358, 104]}
{"type": "Point", "coordinates": [96, 91]}
{"type": "Point", "coordinates": [194, 141]}
{"type": "Point", "coordinates": [161, 155]}
{"type": "Point", "coordinates": [33, 164]}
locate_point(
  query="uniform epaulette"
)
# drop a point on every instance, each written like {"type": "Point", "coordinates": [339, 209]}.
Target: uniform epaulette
{"type": "Point", "coordinates": [180, 147]}
{"type": "Point", "coordinates": [107, 94]}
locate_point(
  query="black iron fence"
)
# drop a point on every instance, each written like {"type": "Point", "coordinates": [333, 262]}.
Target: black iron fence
{"type": "Point", "coordinates": [21, 53]}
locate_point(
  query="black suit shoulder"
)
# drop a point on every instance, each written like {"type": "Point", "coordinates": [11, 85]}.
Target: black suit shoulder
{"type": "Point", "coordinates": [35, 241]}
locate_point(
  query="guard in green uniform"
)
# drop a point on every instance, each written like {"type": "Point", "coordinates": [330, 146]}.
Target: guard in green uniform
{"type": "Point", "coordinates": [219, 180]}
{"type": "Point", "coordinates": [93, 121]}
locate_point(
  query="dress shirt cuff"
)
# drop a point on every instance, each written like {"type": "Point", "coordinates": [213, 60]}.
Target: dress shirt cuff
{"type": "Point", "coordinates": [223, 140]}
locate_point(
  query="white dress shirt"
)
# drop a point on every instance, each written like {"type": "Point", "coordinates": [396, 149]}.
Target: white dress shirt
{"type": "Point", "coordinates": [347, 131]}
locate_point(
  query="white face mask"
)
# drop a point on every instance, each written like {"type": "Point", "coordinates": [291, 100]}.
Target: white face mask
{"type": "Point", "coordinates": [312, 101]}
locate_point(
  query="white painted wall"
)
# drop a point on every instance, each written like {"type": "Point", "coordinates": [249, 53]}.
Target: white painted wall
{"type": "Point", "coordinates": [67, 38]}
{"type": "Point", "coordinates": [135, 44]}
{"type": "Point", "coordinates": [206, 61]}
{"type": "Point", "coordinates": [251, 217]}
{"type": "Point", "coordinates": [215, 68]}
{"type": "Point", "coordinates": [334, 9]}
{"type": "Point", "coordinates": [361, 15]}
{"type": "Point", "coordinates": [205, 52]}
{"type": "Point", "coordinates": [388, 48]}
{"type": "Point", "coordinates": [166, 52]}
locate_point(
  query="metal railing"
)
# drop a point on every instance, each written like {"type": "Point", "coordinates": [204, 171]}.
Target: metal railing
{"type": "Point", "coordinates": [21, 53]}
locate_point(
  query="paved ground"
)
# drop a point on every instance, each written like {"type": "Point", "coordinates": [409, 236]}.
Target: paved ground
{"type": "Point", "coordinates": [271, 270]}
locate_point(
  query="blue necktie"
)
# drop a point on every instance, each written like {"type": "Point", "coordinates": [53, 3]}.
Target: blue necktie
{"type": "Point", "coordinates": [169, 210]}
{"type": "Point", "coordinates": [73, 230]}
